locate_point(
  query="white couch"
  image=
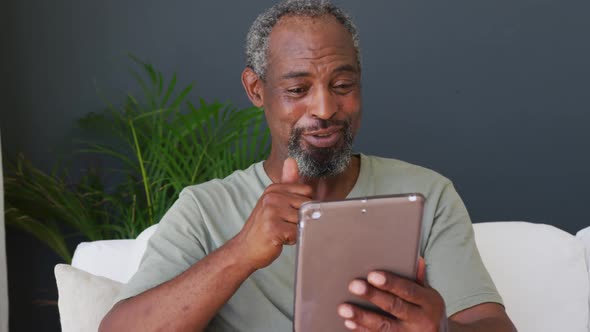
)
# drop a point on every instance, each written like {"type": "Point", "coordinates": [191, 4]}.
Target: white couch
{"type": "Point", "coordinates": [541, 272]}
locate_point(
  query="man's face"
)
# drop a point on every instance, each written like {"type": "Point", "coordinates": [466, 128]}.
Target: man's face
{"type": "Point", "coordinates": [311, 93]}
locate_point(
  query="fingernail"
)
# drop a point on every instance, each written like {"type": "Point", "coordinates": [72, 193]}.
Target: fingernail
{"type": "Point", "coordinates": [377, 278]}
{"type": "Point", "coordinates": [345, 311]}
{"type": "Point", "coordinates": [350, 324]}
{"type": "Point", "coordinates": [357, 287]}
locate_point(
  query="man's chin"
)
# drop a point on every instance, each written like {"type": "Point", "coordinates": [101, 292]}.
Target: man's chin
{"type": "Point", "coordinates": [320, 155]}
{"type": "Point", "coordinates": [322, 160]}
{"type": "Point", "coordinates": [322, 163]}
{"type": "Point", "coordinates": [311, 149]}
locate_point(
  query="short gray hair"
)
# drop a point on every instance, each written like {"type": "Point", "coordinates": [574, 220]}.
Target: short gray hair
{"type": "Point", "coordinates": [258, 36]}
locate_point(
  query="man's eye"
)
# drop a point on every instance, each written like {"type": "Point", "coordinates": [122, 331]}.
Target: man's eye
{"type": "Point", "coordinates": [296, 91]}
{"type": "Point", "coordinates": [344, 88]}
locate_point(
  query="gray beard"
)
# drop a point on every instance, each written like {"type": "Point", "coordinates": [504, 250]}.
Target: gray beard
{"type": "Point", "coordinates": [314, 162]}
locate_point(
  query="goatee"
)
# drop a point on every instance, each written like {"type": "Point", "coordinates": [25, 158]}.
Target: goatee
{"type": "Point", "coordinates": [316, 162]}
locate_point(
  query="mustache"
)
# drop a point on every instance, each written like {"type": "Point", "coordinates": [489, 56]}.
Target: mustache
{"type": "Point", "coordinates": [322, 124]}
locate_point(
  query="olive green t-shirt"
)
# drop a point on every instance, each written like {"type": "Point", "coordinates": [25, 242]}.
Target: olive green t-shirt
{"type": "Point", "coordinates": [205, 216]}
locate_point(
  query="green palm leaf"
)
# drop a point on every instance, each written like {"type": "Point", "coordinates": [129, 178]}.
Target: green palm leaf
{"type": "Point", "coordinates": [156, 145]}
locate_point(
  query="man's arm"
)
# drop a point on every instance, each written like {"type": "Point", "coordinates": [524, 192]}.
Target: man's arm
{"type": "Point", "coordinates": [185, 303]}
{"type": "Point", "coordinates": [189, 301]}
{"type": "Point", "coordinates": [484, 317]}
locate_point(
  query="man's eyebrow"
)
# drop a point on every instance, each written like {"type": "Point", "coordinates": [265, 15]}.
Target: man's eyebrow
{"type": "Point", "coordinates": [346, 68]}
{"type": "Point", "coordinates": [297, 74]}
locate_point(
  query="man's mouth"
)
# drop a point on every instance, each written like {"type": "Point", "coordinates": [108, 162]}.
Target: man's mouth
{"type": "Point", "coordinates": [323, 138]}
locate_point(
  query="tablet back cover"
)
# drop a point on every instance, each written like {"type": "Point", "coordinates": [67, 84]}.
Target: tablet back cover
{"type": "Point", "coordinates": [343, 240]}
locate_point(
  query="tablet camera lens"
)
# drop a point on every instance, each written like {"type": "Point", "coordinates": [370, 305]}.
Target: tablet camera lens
{"type": "Point", "coordinates": [316, 215]}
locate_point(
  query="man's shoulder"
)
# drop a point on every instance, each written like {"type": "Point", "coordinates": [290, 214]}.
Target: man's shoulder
{"type": "Point", "coordinates": [238, 182]}
{"type": "Point", "coordinates": [399, 169]}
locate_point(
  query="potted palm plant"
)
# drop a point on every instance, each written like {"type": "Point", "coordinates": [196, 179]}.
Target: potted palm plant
{"type": "Point", "coordinates": [154, 146]}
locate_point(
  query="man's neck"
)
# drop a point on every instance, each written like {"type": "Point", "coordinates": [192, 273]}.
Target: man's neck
{"type": "Point", "coordinates": [324, 189]}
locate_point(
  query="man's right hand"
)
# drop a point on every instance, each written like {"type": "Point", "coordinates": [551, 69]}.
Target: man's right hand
{"type": "Point", "coordinates": [273, 222]}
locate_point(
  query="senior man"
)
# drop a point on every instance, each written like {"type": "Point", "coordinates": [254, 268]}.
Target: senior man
{"type": "Point", "coordinates": [222, 258]}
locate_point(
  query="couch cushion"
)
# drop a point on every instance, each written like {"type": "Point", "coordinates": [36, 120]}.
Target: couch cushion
{"type": "Point", "coordinates": [540, 271]}
{"type": "Point", "coordinates": [584, 235]}
{"type": "Point", "coordinates": [114, 259]}
{"type": "Point", "coordinates": [84, 299]}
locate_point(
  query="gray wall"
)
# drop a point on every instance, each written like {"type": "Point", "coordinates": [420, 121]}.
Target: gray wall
{"type": "Point", "coordinates": [495, 95]}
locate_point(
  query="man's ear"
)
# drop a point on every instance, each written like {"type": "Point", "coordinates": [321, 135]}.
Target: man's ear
{"type": "Point", "coordinates": [253, 86]}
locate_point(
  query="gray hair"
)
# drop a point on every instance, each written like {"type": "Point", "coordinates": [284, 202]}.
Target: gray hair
{"type": "Point", "coordinates": [258, 36]}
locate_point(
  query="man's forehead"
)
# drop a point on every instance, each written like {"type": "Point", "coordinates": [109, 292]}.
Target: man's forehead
{"type": "Point", "coordinates": [297, 39]}
{"type": "Point", "coordinates": [326, 29]}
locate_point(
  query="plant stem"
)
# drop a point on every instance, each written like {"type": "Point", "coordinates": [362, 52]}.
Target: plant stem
{"type": "Point", "coordinates": [143, 172]}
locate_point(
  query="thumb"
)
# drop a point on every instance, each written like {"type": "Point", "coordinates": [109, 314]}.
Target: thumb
{"type": "Point", "coordinates": [290, 171]}
{"type": "Point", "coordinates": [421, 272]}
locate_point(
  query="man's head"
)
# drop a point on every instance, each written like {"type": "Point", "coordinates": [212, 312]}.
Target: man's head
{"type": "Point", "coordinates": [257, 41]}
{"type": "Point", "coordinates": [303, 67]}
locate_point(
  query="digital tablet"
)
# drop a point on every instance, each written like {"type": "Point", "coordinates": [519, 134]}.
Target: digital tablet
{"type": "Point", "coordinates": [340, 241]}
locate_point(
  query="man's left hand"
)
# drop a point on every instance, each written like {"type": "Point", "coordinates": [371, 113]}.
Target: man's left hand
{"type": "Point", "coordinates": [415, 305]}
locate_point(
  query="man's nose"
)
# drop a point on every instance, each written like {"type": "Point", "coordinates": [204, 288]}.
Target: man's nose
{"type": "Point", "coordinates": [323, 105]}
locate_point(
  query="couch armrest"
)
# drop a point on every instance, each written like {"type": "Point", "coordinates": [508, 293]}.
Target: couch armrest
{"type": "Point", "coordinates": [541, 273]}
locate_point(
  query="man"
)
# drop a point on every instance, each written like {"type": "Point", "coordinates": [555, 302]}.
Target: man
{"type": "Point", "coordinates": [222, 258]}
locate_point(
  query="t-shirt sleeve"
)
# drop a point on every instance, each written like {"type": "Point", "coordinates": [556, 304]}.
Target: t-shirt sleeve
{"type": "Point", "coordinates": [176, 245]}
{"type": "Point", "coordinates": [453, 264]}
